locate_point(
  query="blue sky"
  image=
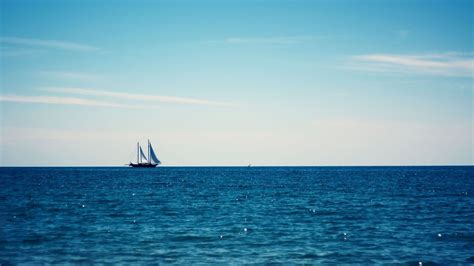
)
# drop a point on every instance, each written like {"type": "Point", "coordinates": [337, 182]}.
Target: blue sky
{"type": "Point", "coordinates": [237, 82]}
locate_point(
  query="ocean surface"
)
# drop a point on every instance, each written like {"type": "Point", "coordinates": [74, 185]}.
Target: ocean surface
{"type": "Point", "coordinates": [237, 215]}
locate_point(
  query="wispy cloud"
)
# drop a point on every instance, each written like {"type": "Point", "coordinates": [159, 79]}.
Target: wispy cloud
{"type": "Point", "coordinates": [136, 96]}
{"type": "Point", "coordinates": [49, 44]}
{"type": "Point", "coordinates": [267, 40]}
{"type": "Point", "coordinates": [69, 75]}
{"type": "Point", "coordinates": [402, 33]}
{"type": "Point", "coordinates": [18, 51]}
{"type": "Point", "coordinates": [65, 101]}
{"type": "Point", "coordinates": [443, 64]}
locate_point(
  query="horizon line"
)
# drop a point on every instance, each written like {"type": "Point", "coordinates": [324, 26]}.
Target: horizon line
{"type": "Point", "coordinates": [238, 166]}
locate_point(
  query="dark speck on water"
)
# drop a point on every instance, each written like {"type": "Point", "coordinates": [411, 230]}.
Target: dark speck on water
{"type": "Point", "coordinates": [237, 215]}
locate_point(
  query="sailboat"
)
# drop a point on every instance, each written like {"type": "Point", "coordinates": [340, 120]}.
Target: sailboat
{"type": "Point", "coordinates": [142, 160]}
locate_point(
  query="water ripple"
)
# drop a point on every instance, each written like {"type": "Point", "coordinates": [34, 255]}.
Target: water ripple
{"type": "Point", "coordinates": [231, 215]}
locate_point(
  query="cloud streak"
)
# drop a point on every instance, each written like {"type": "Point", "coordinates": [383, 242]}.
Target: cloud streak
{"type": "Point", "coordinates": [444, 64]}
{"type": "Point", "coordinates": [267, 40]}
{"type": "Point", "coordinates": [65, 101]}
{"type": "Point", "coordinates": [49, 44]}
{"type": "Point", "coordinates": [69, 75]}
{"type": "Point", "coordinates": [16, 51]}
{"type": "Point", "coordinates": [136, 96]}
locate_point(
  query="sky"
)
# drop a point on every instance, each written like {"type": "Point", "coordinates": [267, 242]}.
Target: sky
{"type": "Point", "coordinates": [237, 82]}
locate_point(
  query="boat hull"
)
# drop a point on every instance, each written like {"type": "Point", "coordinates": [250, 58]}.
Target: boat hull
{"type": "Point", "coordinates": [142, 165]}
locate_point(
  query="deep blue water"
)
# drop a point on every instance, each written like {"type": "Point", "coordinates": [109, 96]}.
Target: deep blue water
{"type": "Point", "coordinates": [237, 215]}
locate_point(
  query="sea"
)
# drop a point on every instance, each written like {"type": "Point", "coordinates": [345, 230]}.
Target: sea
{"type": "Point", "coordinates": [237, 215]}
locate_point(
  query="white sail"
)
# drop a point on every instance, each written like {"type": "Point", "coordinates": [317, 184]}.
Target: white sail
{"type": "Point", "coordinates": [153, 156]}
{"type": "Point", "coordinates": [142, 156]}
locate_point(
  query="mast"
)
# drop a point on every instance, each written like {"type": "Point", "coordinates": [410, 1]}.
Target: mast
{"type": "Point", "coordinates": [138, 151]}
{"type": "Point", "coordinates": [149, 159]}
